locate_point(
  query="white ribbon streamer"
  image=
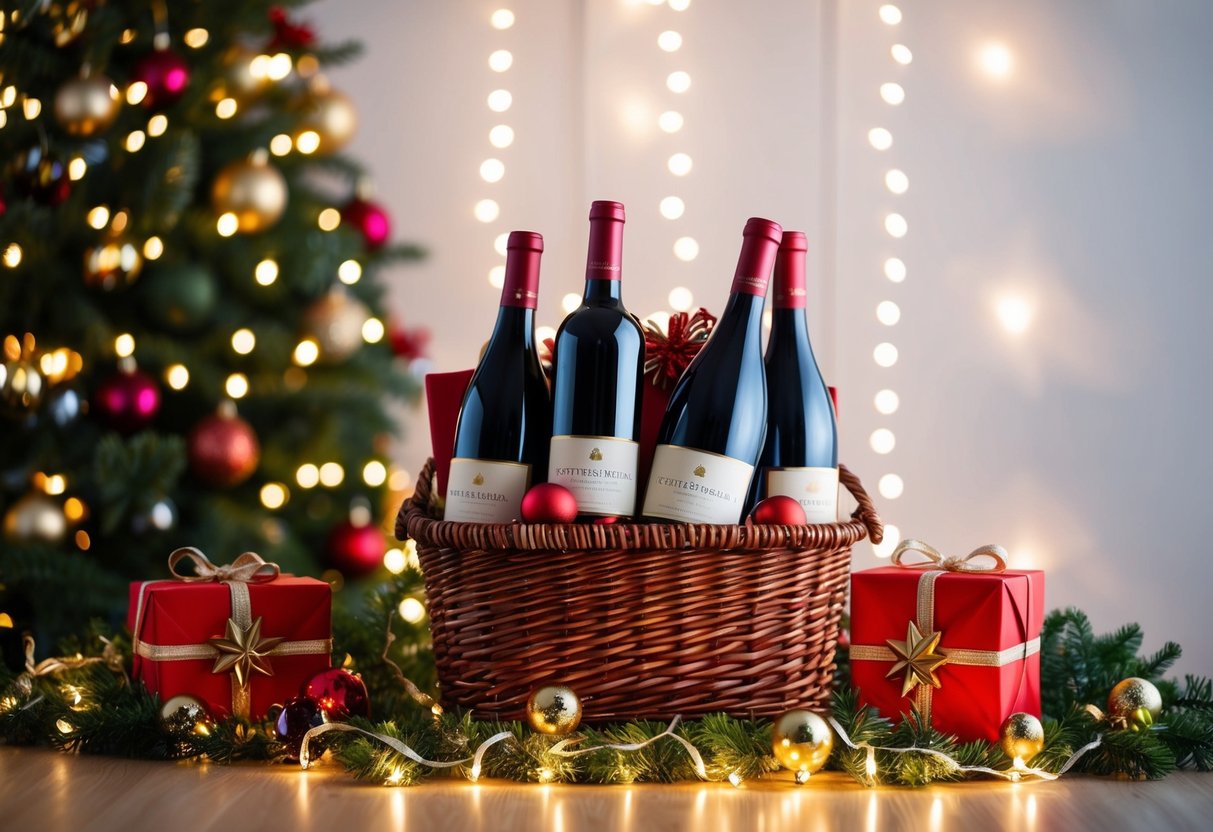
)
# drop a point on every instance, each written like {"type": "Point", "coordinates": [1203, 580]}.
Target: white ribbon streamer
{"type": "Point", "coordinates": [560, 748]}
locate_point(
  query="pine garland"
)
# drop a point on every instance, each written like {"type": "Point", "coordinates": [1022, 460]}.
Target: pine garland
{"type": "Point", "coordinates": [95, 710]}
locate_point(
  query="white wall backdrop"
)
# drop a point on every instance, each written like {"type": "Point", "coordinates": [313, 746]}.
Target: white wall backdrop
{"type": "Point", "coordinates": [1052, 362]}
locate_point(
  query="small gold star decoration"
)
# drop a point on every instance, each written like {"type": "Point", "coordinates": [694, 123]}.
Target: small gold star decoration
{"type": "Point", "coordinates": [917, 657]}
{"type": "Point", "coordinates": [244, 651]}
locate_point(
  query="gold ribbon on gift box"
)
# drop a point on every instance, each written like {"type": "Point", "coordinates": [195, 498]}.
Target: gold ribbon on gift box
{"type": "Point", "coordinates": [920, 655]}
{"type": "Point", "coordinates": [242, 651]}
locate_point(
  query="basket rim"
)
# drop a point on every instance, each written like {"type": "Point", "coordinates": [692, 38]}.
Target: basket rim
{"type": "Point", "coordinates": [414, 521]}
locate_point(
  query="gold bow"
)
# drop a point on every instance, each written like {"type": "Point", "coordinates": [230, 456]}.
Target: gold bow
{"type": "Point", "coordinates": [936, 560]}
{"type": "Point", "coordinates": [246, 569]}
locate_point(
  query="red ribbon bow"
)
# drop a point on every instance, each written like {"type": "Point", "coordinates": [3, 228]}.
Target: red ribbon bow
{"type": "Point", "coordinates": [287, 33]}
{"type": "Point", "coordinates": [668, 354]}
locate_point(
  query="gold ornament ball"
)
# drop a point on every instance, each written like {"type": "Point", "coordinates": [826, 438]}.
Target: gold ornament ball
{"type": "Point", "coordinates": [801, 741]}
{"type": "Point", "coordinates": [553, 709]}
{"type": "Point", "coordinates": [239, 80]}
{"type": "Point", "coordinates": [253, 190]}
{"type": "Point", "coordinates": [1021, 737]}
{"type": "Point", "coordinates": [35, 517]}
{"type": "Point", "coordinates": [335, 322]}
{"type": "Point", "coordinates": [332, 117]}
{"type": "Point", "coordinates": [21, 387]}
{"type": "Point", "coordinates": [182, 715]}
{"type": "Point", "coordinates": [87, 106]}
{"type": "Point", "coordinates": [112, 264]}
{"type": "Point", "coordinates": [1135, 699]}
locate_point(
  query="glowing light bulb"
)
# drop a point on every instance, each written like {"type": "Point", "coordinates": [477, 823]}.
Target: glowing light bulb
{"type": "Point", "coordinates": [124, 345]}
{"type": "Point", "coordinates": [501, 60]}
{"type": "Point", "coordinates": [670, 121]}
{"type": "Point", "coordinates": [153, 247]}
{"type": "Point", "coordinates": [308, 475]}
{"type": "Point", "coordinates": [226, 108]}
{"type": "Point", "coordinates": [887, 402]}
{"type": "Point", "coordinates": [329, 219]}
{"type": "Point", "coordinates": [307, 142]}
{"type": "Point", "coordinates": [672, 207]}
{"type": "Point", "coordinates": [349, 272]}
{"type": "Point", "coordinates": [891, 486]}
{"type": "Point", "coordinates": [679, 5]}
{"type": "Point", "coordinates": [243, 341]}
{"type": "Point", "coordinates": [890, 14]}
{"type": "Point", "coordinates": [306, 352]}
{"type": "Point", "coordinates": [500, 100]}
{"type": "Point", "coordinates": [502, 19]}
{"type": "Point", "coordinates": [273, 495]}
{"type": "Point", "coordinates": [486, 210]}
{"type": "Point", "coordinates": [678, 81]}
{"type": "Point", "coordinates": [996, 60]}
{"type": "Point", "coordinates": [501, 135]}
{"type": "Point", "coordinates": [373, 330]}
{"type": "Point", "coordinates": [157, 124]}
{"type": "Point", "coordinates": [394, 561]}
{"type": "Point", "coordinates": [99, 217]}
{"type": "Point", "coordinates": [374, 473]}
{"type": "Point", "coordinates": [882, 440]}
{"type": "Point", "coordinates": [236, 385]}
{"type": "Point", "coordinates": [135, 140]}
{"type": "Point", "coordinates": [411, 610]}
{"type": "Point", "coordinates": [680, 164]}
{"type": "Point", "coordinates": [570, 302]}
{"type": "Point", "coordinates": [227, 224]}
{"type": "Point", "coordinates": [497, 276]}
{"type": "Point", "coordinates": [12, 255]}
{"type": "Point", "coordinates": [1015, 314]}
{"type": "Point", "coordinates": [177, 376]}
{"type": "Point", "coordinates": [888, 312]}
{"type": "Point", "coordinates": [895, 270]}
{"type": "Point", "coordinates": [196, 38]}
{"type": "Point", "coordinates": [76, 168]}
{"type": "Point", "coordinates": [491, 170]}
{"type": "Point", "coordinates": [266, 272]}
{"type": "Point", "coordinates": [669, 41]}
{"type": "Point", "coordinates": [281, 144]}
{"type": "Point", "coordinates": [681, 299]}
{"type": "Point", "coordinates": [885, 354]}
{"type": "Point", "coordinates": [901, 53]}
{"type": "Point", "coordinates": [896, 225]}
{"type": "Point", "coordinates": [32, 107]}
{"type": "Point", "coordinates": [279, 67]}
{"type": "Point", "coordinates": [893, 94]}
{"type": "Point", "coordinates": [331, 474]}
{"type": "Point", "coordinates": [686, 249]}
{"type": "Point", "coordinates": [880, 138]}
{"type": "Point", "coordinates": [896, 181]}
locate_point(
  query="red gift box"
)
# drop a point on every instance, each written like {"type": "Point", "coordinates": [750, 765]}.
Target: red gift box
{"type": "Point", "coordinates": [444, 393]}
{"type": "Point", "coordinates": [238, 638]}
{"type": "Point", "coordinates": [959, 641]}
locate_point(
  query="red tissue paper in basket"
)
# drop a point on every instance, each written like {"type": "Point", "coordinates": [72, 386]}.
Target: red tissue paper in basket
{"type": "Point", "coordinates": [238, 638]}
{"type": "Point", "coordinates": [666, 356]}
{"type": "Point", "coordinates": [958, 639]}
{"type": "Point", "coordinates": [444, 396]}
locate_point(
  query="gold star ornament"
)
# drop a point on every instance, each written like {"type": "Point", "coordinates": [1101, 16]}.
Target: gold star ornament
{"type": "Point", "coordinates": [244, 651]}
{"type": "Point", "coordinates": [916, 656]}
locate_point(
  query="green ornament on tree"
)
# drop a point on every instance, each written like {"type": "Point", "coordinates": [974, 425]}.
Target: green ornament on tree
{"type": "Point", "coordinates": [179, 297]}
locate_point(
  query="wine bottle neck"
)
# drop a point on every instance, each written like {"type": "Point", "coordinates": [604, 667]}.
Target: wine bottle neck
{"type": "Point", "coordinates": [604, 259]}
{"type": "Point", "coordinates": [515, 325]}
{"type": "Point", "coordinates": [521, 286]}
{"type": "Point", "coordinates": [743, 308]}
{"type": "Point", "coordinates": [790, 325]}
{"type": "Point", "coordinates": [603, 292]}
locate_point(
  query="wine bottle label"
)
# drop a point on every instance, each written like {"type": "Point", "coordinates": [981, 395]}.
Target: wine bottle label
{"type": "Point", "coordinates": [599, 470]}
{"type": "Point", "coordinates": [816, 489]}
{"type": "Point", "coordinates": [693, 486]}
{"type": "Point", "coordinates": [485, 491]}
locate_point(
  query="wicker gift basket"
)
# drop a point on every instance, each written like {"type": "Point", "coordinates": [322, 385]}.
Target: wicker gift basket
{"type": "Point", "coordinates": [643, 621]}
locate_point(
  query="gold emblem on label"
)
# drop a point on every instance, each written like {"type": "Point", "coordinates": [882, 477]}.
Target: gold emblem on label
{"type": "Point", "coordinates": [596, 455]}
{"type": "Point", "coordinates": [478, 479]}
{"type": "Point", "coordinates": [700, 471]}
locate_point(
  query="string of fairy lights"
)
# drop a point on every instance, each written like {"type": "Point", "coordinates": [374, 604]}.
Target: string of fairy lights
{"type": "Point", "coordinates": [249, 71]}
{"type": "Point", "coordinates": [888, 313]}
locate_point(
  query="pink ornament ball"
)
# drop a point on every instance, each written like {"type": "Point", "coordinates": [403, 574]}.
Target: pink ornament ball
{"type": "Point", "coordinates": [128, 401]}
{"type": "Point", "coordinates": [371, 220]}
{"type": "Point", "coordinates": [356, 550]}
{"type": "Point", "coordinates": [779, 510]}
{"type": "Point", "coordinates": [549, 503]}
{"type": "Point", "coordinates": [166, 75]}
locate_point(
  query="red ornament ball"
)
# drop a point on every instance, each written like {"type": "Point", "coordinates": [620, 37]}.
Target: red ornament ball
{"type": "Point", "coordinates": [549, 503]}
{"type": "Point", "coordinates": [780, 511]}
{"type": "Point", "coordinates": [39, 176]}
{"type": "Point", "coordinates": [371, 220]}
{"type": "Point", "coordinates": [128, 401]}
{"type": "Point", "coordinates": [299, 716]}
{"type": "Point", "coordinates": [339, 693]}
{"type": "Point", "coordinates": [223, 450]}
{"type": "Point", "coordinates": [356, 549]}
{"type": "Point", "coordinates": [166, 75]}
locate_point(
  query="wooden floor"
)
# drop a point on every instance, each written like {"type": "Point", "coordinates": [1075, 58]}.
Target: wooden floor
{"type": "Point", "coordinates": [48, 792]}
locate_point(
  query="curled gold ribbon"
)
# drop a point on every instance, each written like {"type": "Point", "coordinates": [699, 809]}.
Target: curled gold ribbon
{"type": "Point", "coordinates": [248, 568]}
{"type": "Point", "coordinates": [937, 560]}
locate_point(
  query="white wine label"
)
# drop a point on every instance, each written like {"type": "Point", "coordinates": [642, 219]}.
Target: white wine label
{"type": "Point", "coordinates": [692, 486]}
{"type": "Point", "coordinates": [485, 491]}
{"type": "Point", "coordinates": [814, 488]}
{"type": "Point", "coordinates": [599, 470]}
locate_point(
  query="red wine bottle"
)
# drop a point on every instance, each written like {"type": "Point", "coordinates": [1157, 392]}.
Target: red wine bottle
{"type": "Point", "coordinates": [713, 428]}
{"type": "Point", "coordinates": [505, 422]}
{"type": "Point", "coordinates": [596, 376]}
{"type": "Point", "coordinates": [800, 456]}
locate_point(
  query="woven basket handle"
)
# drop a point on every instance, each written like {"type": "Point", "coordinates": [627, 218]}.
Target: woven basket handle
{"type": "Point", "coordinates": [865, 513]}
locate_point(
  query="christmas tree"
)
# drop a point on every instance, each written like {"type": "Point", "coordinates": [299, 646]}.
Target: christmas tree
{"type": "Point", "coordinates": [195, 350]}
